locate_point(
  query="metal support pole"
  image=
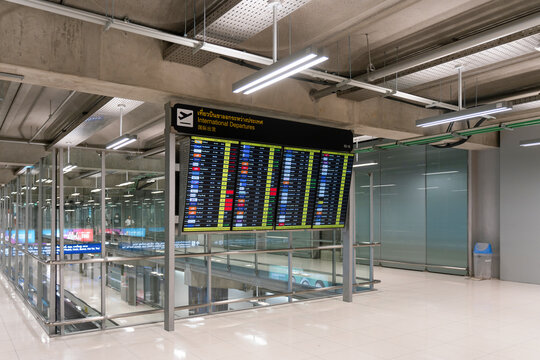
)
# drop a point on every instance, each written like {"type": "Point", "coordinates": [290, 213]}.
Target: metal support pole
{"type": "Point", "coordinates": [16, 235]}
{"type": "Point", "coordinates": [348, 237]}
{"type": "Point", "coordinates": [209, 273]}
{"type": "Point", "coordinates": [103, 242]}
{"type": "Point", "coordinates": [371, 231]}
{"type": "Point", "coordinates": [275, 32]}
{"type": "Point", "coordinates": [10, 229]}
{"type": "Point", "coordinates": [53, 256]}
{"type": "Point", "coordinates": [39, 239]}
{"type": "Point", "coordinates": [460, 87]}
{"type": "Point", "coordinates": [470, 171]}
{"type": "Point", "coordinates": [334, 236]}
{"type": "Point", "coordinates": [2, 225]}
{"type": "Point", "coordinates": [290, 267]}
{"type": "Point", "coordinates": [61, 218]}
{"type": "Point", "coordinates": [26, 272]}
{"type": "Point", "coordinates": [170, 198]}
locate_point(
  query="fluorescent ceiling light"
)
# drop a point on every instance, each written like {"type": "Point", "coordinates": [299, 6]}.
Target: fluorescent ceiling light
{"type": "Point", "coordinates": [278, 71]}
{"type": "Point", "coordinates": [527, 143]}
{"type": "Point", "coordinates": [379, 186]}
{"type": "Point", "coordinates": [157, 192]}
{"type": "Point", "coordinates": [362, 138]}
{"type": "Point", "coordinates": [286, 75]}
{"type": "Point", "coordinates": [128, 195]}
{"type": "Point", "coordinates": [23, 170]}
{"type": "Point", "coordinates": [126, 183]}
{"type": "Point", "coordinates": [441, 172]}
{"type": "Point", "coordinates": [69, 168]}
{"type": "Point", "coordinates": [121, 142]}
{"type": "Point", "coordinates": [466, 114]}
{"type": "Point", "coordinates": [75, 194]}
{"type": "Point", "coordinates": [95, 190]}
{"type": "Point", "coordinates": [365, 164]}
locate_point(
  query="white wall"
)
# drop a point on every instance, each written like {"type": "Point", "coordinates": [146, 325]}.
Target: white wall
{"type": "Point", "coordinates": [520, 206]}
{"type": "Point", "coordinates": [485, 191]}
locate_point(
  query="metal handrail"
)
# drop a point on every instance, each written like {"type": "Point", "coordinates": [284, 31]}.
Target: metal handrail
{"type": "Point", "coordinates": [366, 244]}
{"type": "Point", "coordinates": [198, 306]}
{"type": "Point", "coordinates": [188, 255]}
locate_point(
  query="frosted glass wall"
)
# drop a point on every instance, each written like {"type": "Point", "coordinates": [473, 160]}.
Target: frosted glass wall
{"type": "Point", "coordinates": [420, 207]}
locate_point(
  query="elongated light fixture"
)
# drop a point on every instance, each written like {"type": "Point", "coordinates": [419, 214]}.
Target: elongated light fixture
{"type": "Point", "coordinates": [527, 143]}
{"type": "Point", "coordinates": [121, 142]}
{"type": "Point", "coordinates": [127, 182]}
{"type": "Point", "coordinates": [69, 166]}
{"type": "Point", "coordinates": [466, 114]}
{"type": "Point", "coordinates": [365, 164]}
{"type": "Point", "coordinates": [123, 139]}
{"type": "Point", "coordinates": [278, 71]}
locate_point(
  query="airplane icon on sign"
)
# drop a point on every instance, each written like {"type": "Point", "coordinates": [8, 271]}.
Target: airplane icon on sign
{"type": "Point", "coordinates": [184, 118]}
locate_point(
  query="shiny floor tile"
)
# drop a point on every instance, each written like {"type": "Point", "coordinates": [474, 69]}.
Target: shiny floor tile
{"type": "Point", "coordinates": [412, 315]}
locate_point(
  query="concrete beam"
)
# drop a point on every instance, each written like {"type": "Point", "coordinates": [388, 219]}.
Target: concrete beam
{"type": "Point", "coordinates": [113, 63]}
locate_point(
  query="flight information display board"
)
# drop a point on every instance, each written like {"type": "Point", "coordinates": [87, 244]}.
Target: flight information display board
{"type": "Point", "coordinates": [333, 190]}
{"type": "Point", "coordinates": [256, 186]}
{"type": "Point", "coordinates": [210, 184]}
{"type": "Point", "coordinates": [298, 183]}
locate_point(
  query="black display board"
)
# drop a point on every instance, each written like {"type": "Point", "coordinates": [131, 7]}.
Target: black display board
{"type": "Point", "coordinates": [256, 186]}
{"type": "Point", "coordinates": [210, 184]}
{"type": "Point", "coordinates": [298, 184]}
{"type": "Point", "coordinates": [196, 120]}
{"type": "Point", "coordinates": [334, 181]}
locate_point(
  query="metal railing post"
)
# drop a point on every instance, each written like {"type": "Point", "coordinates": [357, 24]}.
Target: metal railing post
{"type": "Point", "coordinates": [170, 199]}
{"type": "Point", "coordinates": [209, 274]}
{"type": "Point", "coordinates": [61, 268]}
{"type": "Point", "coordinates": [348, 252]}
{"type": "Point", "coordinates": [103, 242]}
{"type": "Point", "coordinates": [290, 267]}
{"type": "Point", "coordinates": [52, 255]}
{"type": "Point", "coordinates": [26, 228]}
{"type": "Point", "coordinates": [371, 231]}
{"type": "Point", "coordinates": [16, 235]}
{"type": "Point", "coordinates": [39, 239]}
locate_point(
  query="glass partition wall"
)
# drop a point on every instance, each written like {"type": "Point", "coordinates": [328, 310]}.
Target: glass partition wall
{"type": "Point", "coordinates": [419, 207]}
{"type": "Point", "coordinates": [83, 237]}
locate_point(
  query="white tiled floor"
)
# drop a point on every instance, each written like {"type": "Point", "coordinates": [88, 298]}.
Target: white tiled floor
{"type": "Point", "coordinates": [413, 315]}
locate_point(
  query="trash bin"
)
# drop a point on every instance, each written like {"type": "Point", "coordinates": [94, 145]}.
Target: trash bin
{"type": "Point", "coordinates": [483, 256]}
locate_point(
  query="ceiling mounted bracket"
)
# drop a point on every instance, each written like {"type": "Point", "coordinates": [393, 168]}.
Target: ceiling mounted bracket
{"type": "Point", "coordinates": [505, 127]}
{"type": "Point", "coordinates": [198, 47]}
{"type": "Point", "coordinates": [459, 136]}
{"type": "Point", "coordinates": [343, 83]}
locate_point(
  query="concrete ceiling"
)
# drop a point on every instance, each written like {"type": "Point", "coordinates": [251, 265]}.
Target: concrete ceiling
{"type": "Point", "coordinates": [58, 55]}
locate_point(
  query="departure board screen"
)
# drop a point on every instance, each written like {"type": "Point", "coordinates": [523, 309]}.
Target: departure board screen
{"type": "Point", "coordinates": [298, 183]}
{"type": "Point", "coordinates": [256, 186]}
{"type": "Point", "coordinates": [333, 190]}
{"type": "Point", "coordinates": [210, 184]}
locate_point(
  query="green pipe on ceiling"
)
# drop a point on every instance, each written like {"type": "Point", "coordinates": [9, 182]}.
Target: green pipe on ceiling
{"type": "Point", "coordinates": [465, 132]}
